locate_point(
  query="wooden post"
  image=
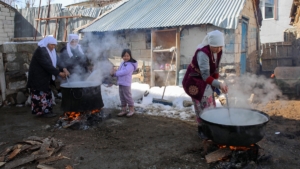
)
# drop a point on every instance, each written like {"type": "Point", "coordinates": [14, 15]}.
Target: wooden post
{"type": "Point", "coordinates": [66, 31]}
{"type": "Point", "coordinates": [37, 22]}
{"type": "Point", "coordinates": [45, 31]}
{"type": "Point", "coordinates": [55, 29]}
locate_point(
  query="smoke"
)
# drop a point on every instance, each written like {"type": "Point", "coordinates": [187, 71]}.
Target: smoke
{"type": "Point", "coordinates": [98, 48]}
{"type": "Point", "coordinates": [241, 88]}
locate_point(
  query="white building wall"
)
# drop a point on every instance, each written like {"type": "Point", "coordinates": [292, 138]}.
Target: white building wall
{"type": "Point", "coordinates": [6, 24]}
{"type": "Point", "coordinates": [271, 29]}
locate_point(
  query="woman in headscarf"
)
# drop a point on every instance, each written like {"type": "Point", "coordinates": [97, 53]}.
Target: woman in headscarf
{"type": "Point", "coordinates": [202, 75]}
{"type": "Point", "coordinates": [72, 57]}
{"type": "Point", "coordinates": [42, 72]}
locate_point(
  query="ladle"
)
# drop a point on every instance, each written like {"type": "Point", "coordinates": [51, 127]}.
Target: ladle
{"type": "Point", "coordinates": [68, 80]}
{"type": "Point", "coordinates": [227, 103]}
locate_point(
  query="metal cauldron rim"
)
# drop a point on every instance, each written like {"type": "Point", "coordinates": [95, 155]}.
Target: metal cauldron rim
{"type": "Point", "coordinates": [266, 115]}
{"type": "Point", "coordinates": [80, 84]}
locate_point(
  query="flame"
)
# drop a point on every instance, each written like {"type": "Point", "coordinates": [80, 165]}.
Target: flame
{"type": "Point", "coordinates": [76, 115]}
{"type": "Point", "coordinates": [238, 148]}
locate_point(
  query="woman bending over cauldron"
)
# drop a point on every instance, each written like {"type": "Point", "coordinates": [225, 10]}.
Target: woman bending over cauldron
{"type": "Point", "coordinates": [42, 73]}
{"type": "Point", "coordinates": [202, 75]}
{"type": "Point", "coordinates": [73, 58]}
{"type": "Point", "coordinates": [124, 75]}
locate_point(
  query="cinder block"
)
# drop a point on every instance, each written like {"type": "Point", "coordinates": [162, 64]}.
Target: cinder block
{"type": "Point", "coordinates": [9, 18]}
{"type": "Point", "coordinates": [6, 10]}
{"type": "Point", "coordinates": [136, 53]}
{"type": "Point", "coordinates": [146, 53]}
{"type": "Point", "coordinates": [138, 45]}
{"type": "Point", "coordinates": [4, 13]}
{"type": "Point", "coordinates": [137, 36]}
{"type": "Point", "coordinates": [12, 13]}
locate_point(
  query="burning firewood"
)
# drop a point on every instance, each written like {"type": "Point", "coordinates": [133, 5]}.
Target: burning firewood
{"type": "Point", "coordinates": [217, 155]}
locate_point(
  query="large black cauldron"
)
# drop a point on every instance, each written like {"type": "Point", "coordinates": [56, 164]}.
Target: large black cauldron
{"type": "Point", "coordinates": [81, 96]}
{"type": "Point", "coordinates": [242, 127]}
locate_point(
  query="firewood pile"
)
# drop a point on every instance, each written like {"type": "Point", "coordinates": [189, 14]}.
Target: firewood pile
{"type": "Point", "coordinates": [33, 148]}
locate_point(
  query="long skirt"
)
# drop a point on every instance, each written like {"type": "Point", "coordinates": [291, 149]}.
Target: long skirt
{"type": "Point", "coordinates": [41, 102]}
{"type": "Point", "coordinates": [206, 102]}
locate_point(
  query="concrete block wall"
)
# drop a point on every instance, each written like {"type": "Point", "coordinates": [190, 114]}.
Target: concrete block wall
{"type": "Point", "coordinates": [136, 42]}
{"type": "Point", "coordinates": [252, 52]}
{"type": "Point", "coordinates": [16, 60]}
{"type": "Point", "coordinates": [6, 24]}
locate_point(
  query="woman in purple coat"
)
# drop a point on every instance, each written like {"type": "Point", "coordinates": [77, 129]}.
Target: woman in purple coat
{"type": "Point", "coordinates": [124, 74]}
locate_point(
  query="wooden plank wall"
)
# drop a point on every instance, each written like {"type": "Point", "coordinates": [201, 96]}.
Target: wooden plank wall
{"type": "Point", "coordinates": [277, 54]}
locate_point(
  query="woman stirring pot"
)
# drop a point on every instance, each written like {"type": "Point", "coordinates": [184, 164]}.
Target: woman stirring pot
{"type": "Point", "coordinates": [202, 75]}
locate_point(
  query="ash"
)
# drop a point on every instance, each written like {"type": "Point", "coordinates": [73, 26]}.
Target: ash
{"type": "Point", "coordinates": [82, 122]}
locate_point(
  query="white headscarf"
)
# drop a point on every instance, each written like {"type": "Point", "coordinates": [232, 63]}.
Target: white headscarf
{"type": "Point", "coordinates": [44, 43]}
{"type": "Point", "coordinates": [214, 38]}
{"type": "Point", "coordinates": [70, 38]}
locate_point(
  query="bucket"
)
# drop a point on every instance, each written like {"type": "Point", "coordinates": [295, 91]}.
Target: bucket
{"type": "Point", "coordinates": [181, 76]}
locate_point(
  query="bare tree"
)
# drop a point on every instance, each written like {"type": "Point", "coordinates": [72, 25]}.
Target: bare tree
{"type": "Point", "coordinates": [102, 2]}
{"type": "Point", "coordinates": [29, 3]}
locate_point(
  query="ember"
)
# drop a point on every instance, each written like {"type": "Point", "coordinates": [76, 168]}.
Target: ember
{"type": "Point", "coordinates": [82, 120]}
{"type": "Point", "coordinates": [222, 156]}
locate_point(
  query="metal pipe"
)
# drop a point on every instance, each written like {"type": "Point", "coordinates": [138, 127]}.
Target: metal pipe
{"type": "Point", "coordinates": [37, 21]}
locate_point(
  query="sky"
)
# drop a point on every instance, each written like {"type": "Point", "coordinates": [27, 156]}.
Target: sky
{"type": "Point", "coordinates": [44, 2]}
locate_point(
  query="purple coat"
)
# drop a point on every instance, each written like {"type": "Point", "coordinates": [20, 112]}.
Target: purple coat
{"type": "Point", "coordinates": [124, 73]}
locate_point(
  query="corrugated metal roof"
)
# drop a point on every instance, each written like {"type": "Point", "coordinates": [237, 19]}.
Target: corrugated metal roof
{"type": "Point", "coordinates": [142, 14]}
{"type": "Point", "coordinates": [90, 12]}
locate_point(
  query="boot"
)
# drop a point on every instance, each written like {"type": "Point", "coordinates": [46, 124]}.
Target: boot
{"type": "Point", "coordinates": [123, 112]}
{"type": "Point", "coordinates": [131, 111]}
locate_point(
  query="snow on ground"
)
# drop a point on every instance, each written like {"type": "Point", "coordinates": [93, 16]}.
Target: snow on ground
{"type": "Point", "coordinates": [143, 96]}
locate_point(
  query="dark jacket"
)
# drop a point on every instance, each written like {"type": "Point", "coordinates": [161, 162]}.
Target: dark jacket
{"type": "Point", "coordinates": [77, 64]}
{"type": "Point", "coordinates": [41, 70]}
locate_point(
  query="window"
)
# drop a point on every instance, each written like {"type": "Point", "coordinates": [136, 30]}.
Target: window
{"type": "Point", "coordinates": [268, 8]}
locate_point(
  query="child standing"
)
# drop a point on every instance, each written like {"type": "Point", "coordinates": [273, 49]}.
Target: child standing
{"type": "Point", "coordinates": [124, 74]}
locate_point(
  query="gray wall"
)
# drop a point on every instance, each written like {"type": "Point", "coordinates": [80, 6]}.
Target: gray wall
{"type": "Point", "coordinates": [272, 30]}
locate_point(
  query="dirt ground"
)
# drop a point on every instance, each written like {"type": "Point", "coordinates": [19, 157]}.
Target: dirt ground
{"type": "Point", "coordinates": [145, 141]}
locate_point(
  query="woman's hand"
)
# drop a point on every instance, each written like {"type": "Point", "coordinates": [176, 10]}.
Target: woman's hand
{"type": "Point", "coordinates": [62, 75]}
{"type": "Point", "coordinates": [66, 72]}
{"type": "Point", "coordinates": [224, 88]}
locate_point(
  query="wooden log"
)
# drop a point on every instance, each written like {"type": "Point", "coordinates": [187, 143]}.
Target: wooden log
{"type": "Point", "coordinates": [19, 162]}
{"type": "Point", "coordinates": [2, 158]}
{"type": "Point", "coordinates": [6, 151]}
{"type": "Point", "coordinates": [2, 164]}
{"type": "Point", "coordinates": [217, 155]}
{"type": "Point", "coordinates": [35, 138]}
{"type": "Point", "coordinates": [43, 166]}
{"type": "Point", "coordinates": [69, 167]}
{"type": "Point", "coordinates": [13, 154]}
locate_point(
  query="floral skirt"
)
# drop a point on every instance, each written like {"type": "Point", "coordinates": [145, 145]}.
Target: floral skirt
{"type": "Point", "coordinates": [207, 102]}
{"type": "Point", "coordinates": [41, 102]}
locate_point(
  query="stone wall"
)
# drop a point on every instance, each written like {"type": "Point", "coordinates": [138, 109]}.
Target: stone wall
{"type": "Point", "coordinates": [16, 58]}
{"type": "Point", "coordinates": [7, 16]}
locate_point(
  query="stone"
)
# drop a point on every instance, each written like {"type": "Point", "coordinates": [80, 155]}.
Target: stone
{"type": "Point", "coordinates": [17, 85]}
{"type": "Point", "coordinates": [26, 66]}
{"type": "Point", "coordinates": [10, 57]}
{"type": "Point", "coordinates": [187, 103]}
{"type": "Point", "coordinates": [12, 66]}
{"type": "Point", "coordinates": [9, 48]}
{"type": "Point", "coordinates": [21, 98]}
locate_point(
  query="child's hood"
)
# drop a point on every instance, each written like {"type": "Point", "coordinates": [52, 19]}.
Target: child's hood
{"type": "Point", "coordinates": [135, 65]}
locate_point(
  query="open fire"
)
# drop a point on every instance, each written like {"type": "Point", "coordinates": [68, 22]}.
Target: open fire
{"type": "Point", "coordinates": [227, 157]}
{"type": "Point", "coordinates": [82, 120]}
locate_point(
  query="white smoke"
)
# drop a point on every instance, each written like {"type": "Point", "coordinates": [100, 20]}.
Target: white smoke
{"type": "Point", "coordinates": [241, 88]}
